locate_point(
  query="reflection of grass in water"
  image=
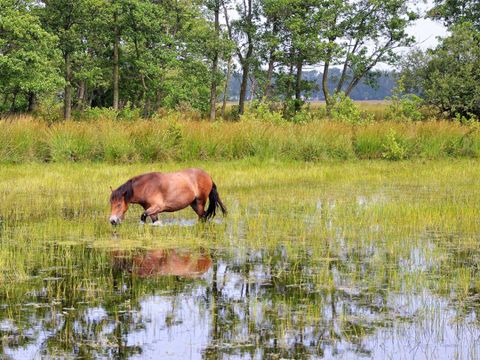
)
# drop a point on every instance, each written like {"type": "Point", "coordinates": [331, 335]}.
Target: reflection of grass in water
{"type": "Point", "coordinates": [357, 232]}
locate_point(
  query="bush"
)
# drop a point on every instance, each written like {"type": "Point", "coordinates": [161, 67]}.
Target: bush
{"type": "Point", "coordinates": [302, 117]}
{"type": "Point", "coordinates": [345, 110]}
{"type": "Point", "coordinates": [262, 111]}
{"type": "Point", "coordinates": [394, 148]}
{"type": "Point", "coordinates": [404, 107]}
{"type": "Point", "coordinates": [50, 109]}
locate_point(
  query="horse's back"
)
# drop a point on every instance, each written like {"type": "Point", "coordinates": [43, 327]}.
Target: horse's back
{"type": "Point", "coordinates": [201, 181]}
{"type": "Point", "coordinates": [172, 187]}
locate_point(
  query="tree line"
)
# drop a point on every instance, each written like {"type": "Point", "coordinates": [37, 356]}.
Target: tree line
{"type": "Point", "coordinates": [151, 54]}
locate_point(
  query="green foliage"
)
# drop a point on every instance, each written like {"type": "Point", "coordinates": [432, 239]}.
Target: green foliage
{"type": "Point", "coordinates": [394, 148]}
{"type": "Point", "coordinates": [263, 111]}
{"type": "Point", "coordinates": [303, 116]}
{"type": "Point", "coordinates": [457, 11]}
{"type": "Point", "coordinates": [404, 107]}
{"type": "Point", "coordinates": [449, 76]}
{"type": "Point", "coordinates": [345, 110]}
{"type": "Point", "coordinates": [49, 109]}
{"type": "Point", "coordinates": [28, 57]}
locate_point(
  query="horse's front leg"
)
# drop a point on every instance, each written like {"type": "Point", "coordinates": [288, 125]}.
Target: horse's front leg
{"type": "Point", "coordinates": [152, 211]}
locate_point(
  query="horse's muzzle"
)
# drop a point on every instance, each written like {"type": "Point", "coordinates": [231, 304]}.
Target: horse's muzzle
{"type": "Point", "coordinates": [114, 220]}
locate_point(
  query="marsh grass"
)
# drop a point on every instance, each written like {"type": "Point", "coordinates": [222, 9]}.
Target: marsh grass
{"type": "Point", "coordinates": [29, 140]}
{"type": "Point", "coordinates": [353, 250]}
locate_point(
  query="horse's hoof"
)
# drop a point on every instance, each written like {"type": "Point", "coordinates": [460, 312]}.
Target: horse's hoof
{"type": "Point", "coordinates": [157, 223]}
{"type": "Point", "coordinates": [142, 222]}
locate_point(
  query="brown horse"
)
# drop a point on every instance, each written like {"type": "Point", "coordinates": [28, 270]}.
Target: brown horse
{"type": "Point", "coordinates": [166, 192]}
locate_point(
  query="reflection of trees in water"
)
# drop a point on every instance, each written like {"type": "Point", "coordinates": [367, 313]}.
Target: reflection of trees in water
{"type": "Point", "coordinates": [258, 304]}
{"type": "Point", "coordinates": [58, 304]}
{"type": "Point", "coordinates": [277, 306]}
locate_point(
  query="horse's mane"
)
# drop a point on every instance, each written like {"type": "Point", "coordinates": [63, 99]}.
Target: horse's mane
{"type": "Point", "coordinates": [124, 190]}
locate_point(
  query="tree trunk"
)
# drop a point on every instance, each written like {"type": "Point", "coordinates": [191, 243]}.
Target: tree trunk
{"type": "Point", "coordinates": [245, 61]}
{"type": "Point", "coordinates": [32, 101]}
{"type": "Point", "coordinates": [298, 85]}
{"type": "Point", "coordinates": [213, 88]}
{"type": "Point", "coordinates": [243, 87]}
{"type": "Point", "coordinates": [225, 88]}
{"type": "Point", "coordinates": [288, 93]}
{"type": "Point", "coordinates": [271, 66]}
{"type": "Point", "coordinates": [326, 92]}
{"type": "Point", "coordinates": [14, 101]}
{"type": "Point", "coordinates": [158, 100]}
{"type": "Point", "coordinates": [67, 100]}
{"type": "Point", "coordinates": [146, 108]}
{"type": "Point", "coordinates": [268, 83]}
{"type": "Point", "coordinates": [116, 45]}
{"type": "Point", "coordinates": [81, 92]}
{"type": "Point", "coordinates": [253, 87]}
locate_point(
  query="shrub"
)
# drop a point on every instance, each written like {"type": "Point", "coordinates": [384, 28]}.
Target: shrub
{"type": "Point", "coordinates": [404, 107]}
{"type": "Point", "coordinates": [394, 148]}
{"type": "Point", "coordinates": [302, 117]}
{"type": "Point", "coordinates": [262, 111]}
{"type": "Point", "coordinates": [49, 109]}
{"type": "Point", "coordinates": [129, 113]}
{"type": "Point", "coordinates": [345, 110]}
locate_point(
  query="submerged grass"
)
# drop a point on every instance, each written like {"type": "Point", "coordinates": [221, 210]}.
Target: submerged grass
{"type": "Point", "coordinates": [322, 205]}
{"type": "Point", "coordinates": [29, 140]}
{"type": "Point", "coordinates": [332, 251]}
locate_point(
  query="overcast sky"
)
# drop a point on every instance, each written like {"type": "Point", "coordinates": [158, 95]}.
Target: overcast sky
{"type": "Point", "coordinates": [426, 31]}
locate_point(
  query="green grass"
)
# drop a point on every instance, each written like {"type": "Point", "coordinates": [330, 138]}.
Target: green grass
{"type": "Point", "coordinates": [28, 140]}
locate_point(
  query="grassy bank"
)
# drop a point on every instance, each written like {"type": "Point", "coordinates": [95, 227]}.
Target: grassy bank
{"type": "Point", "coordinates": [29, 140]}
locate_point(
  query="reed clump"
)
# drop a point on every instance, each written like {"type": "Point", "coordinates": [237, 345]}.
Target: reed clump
{"type": "Point", "coordinates": [162, 139]}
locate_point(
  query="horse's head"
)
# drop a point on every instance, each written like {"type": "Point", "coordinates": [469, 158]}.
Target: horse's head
{"type": "Point", "coordinates": [119, 206]}
{"type": "Point", "coordinates": [119, 200]}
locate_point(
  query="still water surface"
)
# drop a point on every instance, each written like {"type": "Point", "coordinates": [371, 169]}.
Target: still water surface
{"type": "Point", "coordinates": [207, 303]}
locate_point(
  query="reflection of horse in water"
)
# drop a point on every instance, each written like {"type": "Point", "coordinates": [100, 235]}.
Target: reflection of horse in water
{"type": "Point", "coordinates": [162, 262]}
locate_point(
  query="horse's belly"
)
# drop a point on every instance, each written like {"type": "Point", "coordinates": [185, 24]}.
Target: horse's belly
{"type": "Point", "coordinates": [179, 198]}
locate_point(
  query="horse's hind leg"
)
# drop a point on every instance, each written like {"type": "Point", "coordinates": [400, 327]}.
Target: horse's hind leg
{"type": "Point", "coordinates": [198, 205]}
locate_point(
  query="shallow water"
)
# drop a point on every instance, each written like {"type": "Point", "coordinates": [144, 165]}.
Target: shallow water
{"type": "Point", "coordinates": [384, 268]}
{"type": "Point", "coordinates": [209, 304]}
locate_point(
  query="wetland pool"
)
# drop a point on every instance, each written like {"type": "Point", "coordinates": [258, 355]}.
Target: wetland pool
{"type": "Point", "coordinates": [350, 260]}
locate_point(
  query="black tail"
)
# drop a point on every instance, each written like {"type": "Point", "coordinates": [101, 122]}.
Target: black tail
{"type": "Point", "coordinates": [214, 203]}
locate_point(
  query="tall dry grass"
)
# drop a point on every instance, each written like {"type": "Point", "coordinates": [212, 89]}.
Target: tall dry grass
{"type": "Point", "coordinates": [29, 140]}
